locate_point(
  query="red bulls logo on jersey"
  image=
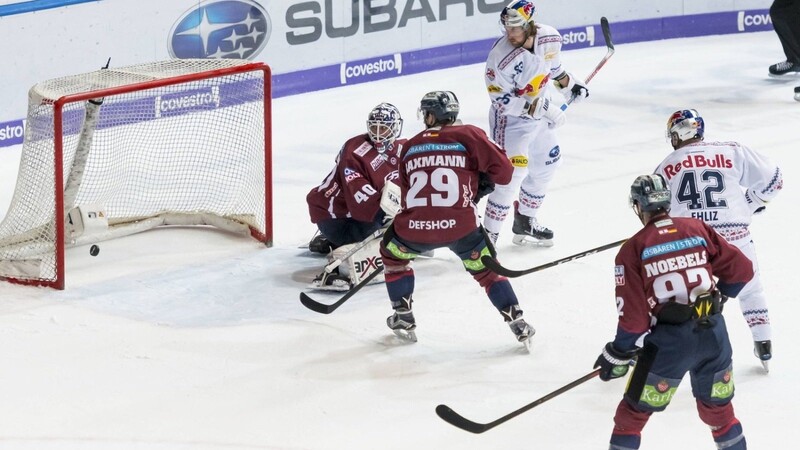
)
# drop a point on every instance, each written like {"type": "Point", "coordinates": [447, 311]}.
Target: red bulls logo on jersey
{"type": "Point", "coordinates": [534, 87]}
{"type": "Point", "coordinates": [698, 161]}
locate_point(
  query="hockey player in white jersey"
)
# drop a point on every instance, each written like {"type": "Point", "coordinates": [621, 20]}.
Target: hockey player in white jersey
{"type": "Point", "coordinates": [524, 76]}
{"type": "Point", "coordinates": [724, 184]}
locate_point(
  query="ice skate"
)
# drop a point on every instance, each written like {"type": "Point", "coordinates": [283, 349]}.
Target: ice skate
{"type": "Point", "coordinates": [528, 231]}
{"type": "Point", "coordinates": [333, 281]}
{"type": "Point", "coordinates": [521, 329]}
{"type": "Point", "coordinates": [797, 93]}
{"type": "Point", "coordinates": [763, 351]}
{"type": "Point", "coordinates": [783, 68]}
{"type": "Point", "coordinates": [402, 322]}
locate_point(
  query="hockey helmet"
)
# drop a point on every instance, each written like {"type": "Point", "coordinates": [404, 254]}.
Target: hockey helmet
{"type": "Point", "coordinates": [650, 193]}
{"type": "Point", "coordinates": [518, 13]}
{"type": "Point", "coordinates": [384, 125]}
{"type": "Point", "coordinates": [683, 125]}
{"type": "Point", "coordinates": [442, 104]}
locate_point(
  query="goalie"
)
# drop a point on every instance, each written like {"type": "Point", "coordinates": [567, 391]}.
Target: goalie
{"type": "Point", "coordinates": [356, 199]}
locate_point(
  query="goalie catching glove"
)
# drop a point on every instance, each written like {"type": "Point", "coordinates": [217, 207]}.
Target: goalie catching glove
{"type": "Point", "coordinates": [390, 200]}
{"type": "Point", "coordinates": [613, 363]}
{"type": "Point", "coordinates": [574, 88]}
{"type": "Point", "coordinates": [543, 108]}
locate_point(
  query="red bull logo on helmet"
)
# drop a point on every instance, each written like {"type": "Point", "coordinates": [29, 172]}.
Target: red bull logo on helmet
{"type": "Point", "coordinates": [524, 8]}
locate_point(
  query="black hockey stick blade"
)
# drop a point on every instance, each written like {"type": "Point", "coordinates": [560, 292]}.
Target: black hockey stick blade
{"type": "Point", "coordinates": [606, 29]}
{"type": "Point", "coordinates": [457, 420]}
{"type": "Point", "coordinates": [322, 308]}
{"type": "Point", "coordinates": [497, 268]}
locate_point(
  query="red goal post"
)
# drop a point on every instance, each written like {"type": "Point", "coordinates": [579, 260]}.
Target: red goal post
{"type": "Point", "coordinates": [123, 150]}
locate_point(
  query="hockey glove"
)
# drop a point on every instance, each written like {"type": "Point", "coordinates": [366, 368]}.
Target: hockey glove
{"type": "Point", "coordinates": [390, 200]}
{"type": "Point", "coordinates": [756, 204]}
{"type": "Point", "coordinates": [613, 363]}
{"type": "Point", "coordinates": [575, 88]}
{"type": "Point", "coordinates": [485, 187]}
{"type": "Point", "coordinates": [543, 108]}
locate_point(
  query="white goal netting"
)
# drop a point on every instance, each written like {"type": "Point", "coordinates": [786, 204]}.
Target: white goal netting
{"type": "Point", "coordinates": [122, 150]}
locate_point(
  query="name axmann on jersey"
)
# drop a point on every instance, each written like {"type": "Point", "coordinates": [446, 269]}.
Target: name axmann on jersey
{"type": "Point", "coordinates": [371, 69]}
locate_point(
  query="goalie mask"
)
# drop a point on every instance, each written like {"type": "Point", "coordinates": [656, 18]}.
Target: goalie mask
{"type": "Point", "coordinates": [649, 193]}
{"type": "Point", "coordinates": [684, 125]}
{"type": "Point", "coordinates": [384, 125]}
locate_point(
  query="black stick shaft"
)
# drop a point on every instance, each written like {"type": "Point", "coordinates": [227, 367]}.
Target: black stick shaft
{"type": "Point", "coordinates": [448, 415]}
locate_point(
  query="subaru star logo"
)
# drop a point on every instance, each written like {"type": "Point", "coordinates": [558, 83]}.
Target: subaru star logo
{"type": "Point", "coordinates": [221, 29]}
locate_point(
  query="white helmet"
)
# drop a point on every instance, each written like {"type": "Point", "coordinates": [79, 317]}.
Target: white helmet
{"type": "Point", "coordinates": [518, 13]}
{"type": "Point", "coordinates": [384, 125]}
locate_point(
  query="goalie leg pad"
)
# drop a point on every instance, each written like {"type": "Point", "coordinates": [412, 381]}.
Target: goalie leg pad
{"type": "Point", "coordinates": [362, 263]}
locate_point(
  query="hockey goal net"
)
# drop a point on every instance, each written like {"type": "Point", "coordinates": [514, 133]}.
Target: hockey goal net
{"type": "Point", "coordinates": [122, 150]}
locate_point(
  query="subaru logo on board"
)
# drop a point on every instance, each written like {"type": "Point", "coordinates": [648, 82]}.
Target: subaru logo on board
{"type": "Point", "coordinates": [221, 29]}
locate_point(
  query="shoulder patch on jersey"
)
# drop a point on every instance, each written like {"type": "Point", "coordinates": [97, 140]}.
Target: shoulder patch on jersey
{"type": "Point", "coordinates": [350, 174]}
{"type": "Point", "coordinates": [490, 74]}
{"type": "Point", "coordinates": [363, 149]}
{"type": "Point", "coordinates": [619, 275]}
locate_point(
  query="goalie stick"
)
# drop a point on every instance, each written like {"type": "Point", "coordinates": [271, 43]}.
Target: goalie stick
{"type": "Point", "coordinates": [457, 420]}
{"type": "Point", "coordinates": [494, 265]}
{"type": "Point", "coordinates": [604, 27]}
{"type": "Point", "coordinates": [322, 308]}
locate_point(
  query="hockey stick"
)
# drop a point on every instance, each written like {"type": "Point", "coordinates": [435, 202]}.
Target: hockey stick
{"type": "Point", "coordinates": [457, 420]}
{"type": "Point", "coordinates": [322, 308]}
{"type": "Point", "coordinates": [495, 266]}
{"type": "Point", "coordinates": [338, 261]}
{"type": "Point", "coordinates": [604, 27]}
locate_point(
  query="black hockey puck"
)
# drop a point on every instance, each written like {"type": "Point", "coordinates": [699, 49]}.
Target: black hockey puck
{"type": "Point", "coordinates": [94, 250]}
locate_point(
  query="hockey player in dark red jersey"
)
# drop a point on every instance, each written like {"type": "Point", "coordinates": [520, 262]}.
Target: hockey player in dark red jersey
{"type": "Point", "coordinates": [444, 171]}
{"type": "Point", "coordinates": [670, 318]}
{"type": "Point", "coordinates": [347, 206]}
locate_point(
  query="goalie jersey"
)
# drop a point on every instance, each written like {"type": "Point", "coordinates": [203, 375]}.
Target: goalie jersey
{"type": "Point", "coordinates": [353, 188]}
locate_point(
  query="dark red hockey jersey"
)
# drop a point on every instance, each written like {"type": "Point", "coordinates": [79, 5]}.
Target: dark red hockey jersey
{"type": "Point", "coordinates": [439, 170]}
{"type": "Point", "coordinates": [353, 187]}
{"type": "Point", "coordinates": [672, 259]}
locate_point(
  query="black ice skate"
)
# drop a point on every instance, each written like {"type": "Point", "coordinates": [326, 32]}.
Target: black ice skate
{"type": "Point", "coordinates": [333, 281]}
{"type": "Point", "coordinates": [527, 231]}
{"type": "Point", "coordinates": [797, 93]}
{"type": "Point", "coordinates": [782, 68]}
{"type": "Point", "coordinates": [402, 322]}
{"type": "Point", "coordinates": [521, 329]}
{"type": "Point", "coordinates": [763, 351]}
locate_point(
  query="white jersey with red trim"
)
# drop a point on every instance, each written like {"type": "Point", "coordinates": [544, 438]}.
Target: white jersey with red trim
{"type": "Point", "coordinates": [715, 182]}
{"type": "Point", "coordinates": [547, 44]}
{"type": "Point", "coordinates": [514, 78]}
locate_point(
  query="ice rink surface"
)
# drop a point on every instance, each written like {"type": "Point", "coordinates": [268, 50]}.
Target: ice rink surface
{"type": "Point", "coordinates": [195, 339]}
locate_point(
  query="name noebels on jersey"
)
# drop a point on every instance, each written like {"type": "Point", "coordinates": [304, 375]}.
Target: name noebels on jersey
{"type": "Point", "coordinates": [698, 161]}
